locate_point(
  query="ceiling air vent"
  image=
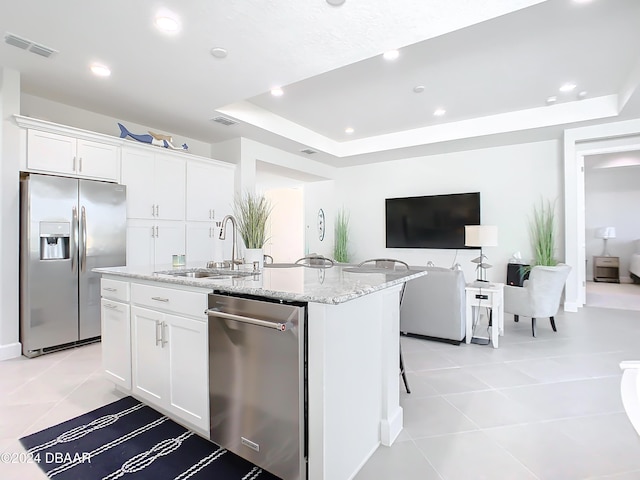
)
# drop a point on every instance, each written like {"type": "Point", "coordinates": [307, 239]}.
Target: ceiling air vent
{"type": "Point", "coordinates": [308, 151]}
{"type": "Point", "coordinates": [16, 41]}
{"type": "Point", "coordinates": [25, 44]}
{"type": "Point", "coordinates": [223, 120]}
{"type": "Point", "coordinates": [42, 50]}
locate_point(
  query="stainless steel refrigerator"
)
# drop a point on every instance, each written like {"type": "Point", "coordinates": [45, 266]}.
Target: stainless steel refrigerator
{"type": "Point", "coordinates": [67, 227]}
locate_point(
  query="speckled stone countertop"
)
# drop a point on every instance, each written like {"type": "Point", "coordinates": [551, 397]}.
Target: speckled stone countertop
{"type": "Point", "coordinates": [332, 285]}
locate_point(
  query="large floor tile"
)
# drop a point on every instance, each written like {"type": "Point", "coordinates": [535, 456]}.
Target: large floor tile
{"type": "Point", "coordinates": [400, 461]}
{"type": "Point", "coordinates": [570, 399]}
{"type": "Point", "coordinates": [16, 464]}
{"type": "Point", "coordinates": [430, 416]}
{"type": "Point", "coordinates": [491, 408]}
{"type": "Point", "coordinates": [552, 454]}
{"type": "Point", "coordinates": [471, 455]}
{"type": "Point", "coordinates": [451, 380]}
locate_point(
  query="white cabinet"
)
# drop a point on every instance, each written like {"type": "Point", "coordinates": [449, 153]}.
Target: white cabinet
{"type": "Point", "coordinates": [170, 351]}
{"type": "Point", "coordinates": [154, 243]}
{"type": "Point", "coordinates": [116, 332]}
{"type": "Point", "coordinates": [55, 153]}
{"type": "Point", "coordinates": [209, 191]}
{"type": "Point", "coordinates": [155, 184]}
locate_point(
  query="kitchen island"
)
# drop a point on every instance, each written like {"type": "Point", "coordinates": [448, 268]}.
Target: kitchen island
{"type": "Point", "coordinates": [351, 350]}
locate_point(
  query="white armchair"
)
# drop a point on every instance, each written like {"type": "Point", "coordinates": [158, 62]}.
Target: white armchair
{"type": "Point", "coordinates": [540, 295]}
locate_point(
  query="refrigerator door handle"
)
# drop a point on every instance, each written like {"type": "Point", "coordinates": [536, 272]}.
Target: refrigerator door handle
{"type": "Point", "coordinates": [74, 247]}
{"type": "Point", "coordinates": [83, 250]}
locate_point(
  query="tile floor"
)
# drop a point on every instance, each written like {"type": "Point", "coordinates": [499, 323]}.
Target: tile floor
{"type": "Point", "coordinates": [536, 408]}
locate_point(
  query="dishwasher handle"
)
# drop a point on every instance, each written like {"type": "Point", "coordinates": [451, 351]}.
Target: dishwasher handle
{"type": "Point", "coordinates": [281, 327]}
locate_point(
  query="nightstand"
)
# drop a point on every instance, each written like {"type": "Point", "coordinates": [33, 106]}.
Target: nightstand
{"type": "Point", "coordinates": [606, 269]}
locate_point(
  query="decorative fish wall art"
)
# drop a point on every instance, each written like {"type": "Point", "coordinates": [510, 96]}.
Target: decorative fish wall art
{"type": "Point", "coordinates": [158, 139]}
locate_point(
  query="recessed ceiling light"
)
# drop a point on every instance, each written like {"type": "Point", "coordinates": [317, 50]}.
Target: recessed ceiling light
{"type": "Point", "coordinates": [167, 22]}
{"type": "Point", "coordinates": [439, 112]}
{"type": "Point", "coordinates": [568, 87]}
{"type": "Point", "coordinates": [418, 88]}
{"type": "Point", "coordinates": [391, 54]}
{"type": "Point", "coordinates": [335, 3]}
{"type": "Point", "coordinates": [277, 92]}
{"type": "Point", "coordinates": [100, 70]}
{"type": "Point", "coordinates": [219, 52]}
{"type": "Point", "coordinates": [349, 130]}
{"type": "Point", "coordinates": [582, 94]}
{"type": "Point", "coordinates": [551, 100]}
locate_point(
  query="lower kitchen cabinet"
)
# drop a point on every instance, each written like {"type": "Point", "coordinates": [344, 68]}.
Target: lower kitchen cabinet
{"type": "Point", "coordinates": [170, 364]}
{"type": "Point", "coordinates": [116, 342]}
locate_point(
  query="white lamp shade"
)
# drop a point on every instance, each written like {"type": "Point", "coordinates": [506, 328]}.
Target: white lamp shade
{"type": "Point", "coordinates": [480, 236]}
{"type": "Point", "coordinates": [606, 232]}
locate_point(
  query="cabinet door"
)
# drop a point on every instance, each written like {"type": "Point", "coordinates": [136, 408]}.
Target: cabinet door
{"type": "Point", "coordinates": [137, 175]}
{"type": "Point", "coordinates": [97, 160]}
{"type": "Point", "coordinates": [223, 193]}
{"type": "Point", "coordinates": [169, 240]}
{"type": "Point", "coordinates": [50, 152]}
{"type": "Point", "coordinates": [188, 369]}
{"type": "Point", "coordinates": [202, 181]}
{"type": "Point", "coordinates": [169, 187]}
{"type": "Point", "coordinates": [150, 360]}
{"type": "Point", "coordinates": [116, 342]}
{"type": "Point", "coordinates": [200, 242]}
{"type": "Point", "coordinates": [140, 243]}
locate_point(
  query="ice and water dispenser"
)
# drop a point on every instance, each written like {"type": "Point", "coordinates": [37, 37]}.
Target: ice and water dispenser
{"type": "Point", "coordinates": [54, 240]}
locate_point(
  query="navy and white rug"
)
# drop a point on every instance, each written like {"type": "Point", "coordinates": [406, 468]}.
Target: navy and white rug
{"type": "Point", "coordinates": [128, 440]}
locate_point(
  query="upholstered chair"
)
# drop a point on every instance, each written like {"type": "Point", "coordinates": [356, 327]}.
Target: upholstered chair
{"type": "Point", "coordinates": [539, 297]}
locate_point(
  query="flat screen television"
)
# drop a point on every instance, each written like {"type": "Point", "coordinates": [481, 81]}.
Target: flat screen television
{"type": "Point", "coordinates": [434, 221]}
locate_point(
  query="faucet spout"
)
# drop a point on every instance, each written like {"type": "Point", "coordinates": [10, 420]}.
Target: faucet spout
{"type": "Point", "coordinates": [223, 230]}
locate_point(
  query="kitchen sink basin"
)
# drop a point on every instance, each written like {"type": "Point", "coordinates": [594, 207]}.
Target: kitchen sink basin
{"type": "Point", "coordinates": [206, 273]}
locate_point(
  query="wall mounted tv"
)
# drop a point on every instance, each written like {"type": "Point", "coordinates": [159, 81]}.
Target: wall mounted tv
{"type": "Point", "coordinates": [434, 221]}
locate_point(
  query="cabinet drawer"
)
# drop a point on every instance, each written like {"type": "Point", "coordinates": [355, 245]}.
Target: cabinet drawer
{"type": "Point", "coordinates": [482, 299]}
{"type": "Point", "coordinates": [172, 300]}
{"type": "Point", "coordinates": [114, 289]}
{"type": "Point", "coordinates": [607, 262]}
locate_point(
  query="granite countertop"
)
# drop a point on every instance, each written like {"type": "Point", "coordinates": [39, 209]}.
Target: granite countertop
{"type": "Point", "coordinates": [332, 285]}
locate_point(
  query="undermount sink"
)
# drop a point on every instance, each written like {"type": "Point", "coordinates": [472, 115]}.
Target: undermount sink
{"type": "Point", "coordinates": [206, 273]}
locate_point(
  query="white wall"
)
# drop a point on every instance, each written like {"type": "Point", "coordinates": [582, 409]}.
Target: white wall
{"type": "Point", "coordinates": [612, 197]}
{"type": "Point", "coordinates": [511, 180]}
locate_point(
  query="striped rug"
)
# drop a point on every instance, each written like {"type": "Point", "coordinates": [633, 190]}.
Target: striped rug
{"type": "Point", "coordinates": [128, 440]}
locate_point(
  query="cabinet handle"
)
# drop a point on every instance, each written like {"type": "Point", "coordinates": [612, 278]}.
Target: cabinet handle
{"type": "Point", "coordinates": [153, 210]}
{"type": "Point", "coordinates": [158, 339]}
{"type": "Point", "coordinates": [110, 306]}
{"type": "Point", "coordinates": [160, 299]}
{"type": "Point", "coordinates": [110, 289]}
{"type": "Point", "coordinates": [80, 164]}
{"type": "Point", "coordinates": [157, 210]}
{"type": "Point", "coordinates": [157, 231]}
{"type": "Point", "coordinates": [163, 339]}
{"type": "Point", "coordinates": [153, 232]}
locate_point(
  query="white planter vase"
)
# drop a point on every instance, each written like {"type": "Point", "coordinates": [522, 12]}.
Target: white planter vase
{"type": "Point", "coordinates": [254, 255]}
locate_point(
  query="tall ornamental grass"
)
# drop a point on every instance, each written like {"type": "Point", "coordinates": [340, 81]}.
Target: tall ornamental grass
{"type": "Point", "coordinates": [252, 212]}
{"type": "Point", "coordinates": [340, 249]}
{"type": "Point", "coordinates": [543, 233]}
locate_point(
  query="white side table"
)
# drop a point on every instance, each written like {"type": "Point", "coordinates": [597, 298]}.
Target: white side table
{"type": "Point", "coordinates": [491, 297]}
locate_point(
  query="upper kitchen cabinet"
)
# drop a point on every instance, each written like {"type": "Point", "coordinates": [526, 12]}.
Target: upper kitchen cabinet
{"type": "Point", "coordinates": [155, 184]}
{"type": "Point", "coordinates": [210, 187]}
{"type": "Point", "coordinates": [54, 153]}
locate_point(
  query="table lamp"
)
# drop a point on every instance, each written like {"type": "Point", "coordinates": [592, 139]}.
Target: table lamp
{"type": "Point", "coordinates": [481, 236]}
{"type": "Point", "coordinates": [606, 233]}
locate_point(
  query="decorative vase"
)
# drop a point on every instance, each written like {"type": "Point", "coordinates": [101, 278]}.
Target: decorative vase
{"type": "Point", "coordinates": [254, 255]}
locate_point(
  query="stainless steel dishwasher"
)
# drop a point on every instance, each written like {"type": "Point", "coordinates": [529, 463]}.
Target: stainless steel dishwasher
{"type": "Point", "coordinates": [257, 372]}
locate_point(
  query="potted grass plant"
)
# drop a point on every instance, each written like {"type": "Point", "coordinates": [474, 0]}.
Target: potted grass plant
{"type": "Point", "coordinates": [252, 213]}
{"type": "Point", "coordinates": [340, 248]}
{"type": "Point", "coordinates": [542, 229]}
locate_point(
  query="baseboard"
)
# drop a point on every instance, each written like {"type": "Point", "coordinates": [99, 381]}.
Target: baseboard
{"type": "Point", "coordinates": [12, 350]}
{"type": "Point", "coordinates": [571, 306]}
{"type": "Point", "coordinates": [434, 339]}
{"type": "Point", "coordinates": [390, 428]}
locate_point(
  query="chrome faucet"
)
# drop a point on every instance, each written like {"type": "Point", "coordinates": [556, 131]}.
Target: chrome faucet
{"type": "Point", "coordinates": [223, 229]}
